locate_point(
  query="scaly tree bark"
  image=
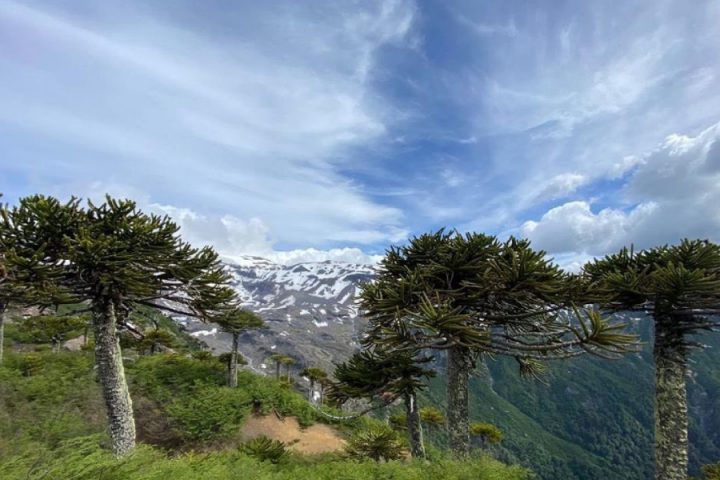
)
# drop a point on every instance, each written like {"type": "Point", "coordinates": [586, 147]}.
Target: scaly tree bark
{"type": "Point", "coordinates": [111, 374]}
{"type": "Point", "coordinates": [671, 408]}
{"type": "Point", "coordinates": [458, 425]}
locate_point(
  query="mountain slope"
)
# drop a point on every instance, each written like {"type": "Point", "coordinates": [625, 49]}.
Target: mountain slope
{"type": "Point", "coordinates": [308, 307]}
{"type": "Point", "coordinates": [589, 418]}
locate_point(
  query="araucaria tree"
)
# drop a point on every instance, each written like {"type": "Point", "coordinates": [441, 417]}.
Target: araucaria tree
{"type": "Point", "coordinates": [282, 359]}
{"type": "Point", "coordinates": [471, 295]}
{"type": "Point", "coordinates": [235, 322]}
{"type": "Point", "coordinates": [374, 374]}
{"type": "Point", "coordinates": [114, 258]}
{"type": "Point", "coordinates": [315, 376]}
{"type": "Point", "coordinates": [679, 287]}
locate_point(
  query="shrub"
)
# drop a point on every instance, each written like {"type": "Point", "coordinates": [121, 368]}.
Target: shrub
{"type": "Point", "coordinates": [209, 413]}
{"type": "Point", "coordinates": [377, 442]}
{"type": "Point", "coordinates": [711, 472]}
{"type": "Point", "coordinates": [431, 416]}
{"type": "Point", "coordinates": [165, 376]}
{"type": "Point", "coordinates": [398, 421]}
{"type": "Point", "coordinates": [265, 449]}
{"type": "Point", "coordinates": [487, 433]}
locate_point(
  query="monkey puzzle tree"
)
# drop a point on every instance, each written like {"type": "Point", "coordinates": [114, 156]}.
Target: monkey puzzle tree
{"type": "Point", "coordinates": [679, 286]}
{"type": "Point", "coordinates": [486, 434]}
{"type": "Point", "coordinates": [26, 277]}
{"type": "Point", "coordinates": [157, 339]}
{"type": "Point", "coordinates": [235, 322]}
{"type": "Point", "coordinates": [288, 361]}
{"type": "Point", "coordinates": [52, 329]}
{"type": "Point", "coordinates": [374, 374]}
{"type": "Point", "coordinates": [114, 258]}
{"type": "Point", "coordinates": [314, 375]}
{"type": "Point", "coordinates": [471, 295]}
{"type": "Point", "coordinates": [282, 359]}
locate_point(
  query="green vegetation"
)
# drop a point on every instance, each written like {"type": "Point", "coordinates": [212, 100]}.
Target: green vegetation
{"type": "Point", "coordinates": [679, 286]}
{"type": "Point", "coordinates": [711, 472]}
{"type": "Point", "coordinates": [235, 322]}
{"type": "Point", "coordinates": [471, 295]}
{"type": "Point", "coordinates": [265, 449]}
{"type": "Point", "coordinates": [377, 442]}
{"type": "Point", "coordinates": [51, 426]}
{"type": "Point", "coordinates": [113, 258]}
{"type": "Point", "coordinates": [466, 298]}
{"type": "Point", "coordinates": [378, 375]}
{"type": "Point", "coordinates": [486, 433]}
{"type": "Point", "coordinates": [82, 459]}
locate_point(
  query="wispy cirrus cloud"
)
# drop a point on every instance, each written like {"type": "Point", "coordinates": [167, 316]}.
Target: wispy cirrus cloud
{"type": "Point", "coordinates": [318, 127]}
{"type": "Point", "coordinates": [250, 122]}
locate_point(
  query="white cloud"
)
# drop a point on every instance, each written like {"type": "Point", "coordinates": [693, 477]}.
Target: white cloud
{"type": "Point", "coordinates": [253, 121]}
{"type": "Point", "coordinates": [675, 191]}
{"type": "Point", "coordinates": [561, 186]}
{"type": "Point", "coordinates": [574, 227]}
{"type": "Point", "coordinates": [347, 254]}
{"type": "Point", "coordinates": [233, 237]}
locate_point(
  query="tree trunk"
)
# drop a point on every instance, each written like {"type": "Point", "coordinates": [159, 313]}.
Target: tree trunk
{"type": "Point", "coordinates": [414, 427]}
{"type": "Point", "coordinates": [233, 371]}
{"type": "Point", "coordinates": [277, 371]}
{"type": "Point", "coordinates": [2, 331]}
{"type": "Point", "coordinates": [311, 393]}
{"type": "Point", "coordinates": [111, 373]}
{"type": "Point", "coordinates": [671, 408]}
{"type": "Point", "coordinates": [458, 425]}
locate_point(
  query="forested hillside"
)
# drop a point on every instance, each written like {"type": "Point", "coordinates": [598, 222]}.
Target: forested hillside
{"type": "Point", "coordinates": [589, 418]}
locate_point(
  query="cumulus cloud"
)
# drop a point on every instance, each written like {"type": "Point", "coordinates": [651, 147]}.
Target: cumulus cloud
{"type": "Point", "coordinates": [673, 193]}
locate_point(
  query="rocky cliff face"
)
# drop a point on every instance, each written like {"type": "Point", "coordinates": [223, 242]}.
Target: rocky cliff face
{"type": "Point", "coordinates": [309, 309]}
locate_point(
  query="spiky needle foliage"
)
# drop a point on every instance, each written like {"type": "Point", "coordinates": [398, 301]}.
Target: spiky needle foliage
{"type": "Point", "coordinates": [679, 286]}
{"type": "Point", "coordinates": [472, 295]}
{"type": "Point", "coordinates": [114, 258]}
{"type": "Point", "coordinates": [236, 321]}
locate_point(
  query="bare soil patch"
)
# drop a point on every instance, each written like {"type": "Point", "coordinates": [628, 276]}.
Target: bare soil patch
{"type": "Point", "coordinates": [315, 439]}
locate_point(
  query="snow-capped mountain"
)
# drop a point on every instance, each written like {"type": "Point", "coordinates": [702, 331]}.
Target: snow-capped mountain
{"type": "Point", "coordinates": [309, 309]}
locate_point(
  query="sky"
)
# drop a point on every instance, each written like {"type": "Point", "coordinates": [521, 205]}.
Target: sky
{"type": "Point", "coordinates": [315, 130]}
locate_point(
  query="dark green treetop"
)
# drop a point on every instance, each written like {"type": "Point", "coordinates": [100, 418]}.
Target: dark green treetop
{"type": "Point", "coordinates": [64, 253]}
{"type": "Point", "coordinates": [377, 374]}
{"type": "Point", "coordinates": [679, 282]}
{"type": "Point", "coordinates": [446, 289]}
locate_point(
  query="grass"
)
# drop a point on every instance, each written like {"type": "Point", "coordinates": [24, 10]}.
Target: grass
{"type": "Point", "coordinates": [52, 426]}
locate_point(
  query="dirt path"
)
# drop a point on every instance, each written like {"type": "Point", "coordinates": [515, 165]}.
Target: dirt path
{"type": "Point", "coordinates": [317, 438]}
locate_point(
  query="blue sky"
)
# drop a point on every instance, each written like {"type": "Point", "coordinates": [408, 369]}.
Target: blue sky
{"type": "Point", "coordinates": [313, 130]}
